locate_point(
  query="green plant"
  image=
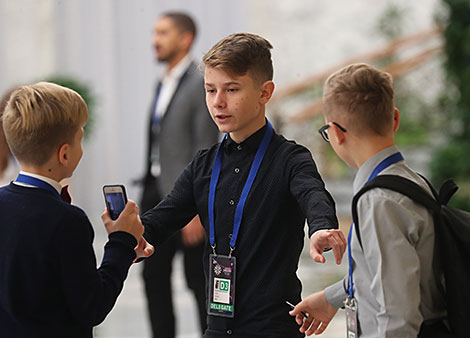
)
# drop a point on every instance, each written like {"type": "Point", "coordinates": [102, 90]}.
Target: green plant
{"type": "Point", "coordinates": [453, 160]}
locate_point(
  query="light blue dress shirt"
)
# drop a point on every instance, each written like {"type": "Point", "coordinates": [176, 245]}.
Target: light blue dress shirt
{"type": "Point", "coordinates": [395, 287]}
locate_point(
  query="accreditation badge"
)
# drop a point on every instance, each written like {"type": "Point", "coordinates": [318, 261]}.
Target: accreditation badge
{"type": "Point", "coordinates": [221, 285]}
{"type": "Point", "coordinates": [351, 317]}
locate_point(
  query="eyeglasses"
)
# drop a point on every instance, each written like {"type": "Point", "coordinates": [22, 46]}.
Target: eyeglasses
{"type": "Point", "coordinates": [324, 131]}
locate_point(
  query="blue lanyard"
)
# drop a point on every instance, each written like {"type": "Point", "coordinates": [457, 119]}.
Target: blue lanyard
{"type": "Point", "coordinates": [392, 159]}
{"type": "Point", "coordinates": [36, 182]}
{"type": "Point", "coordinates": [246, 189]}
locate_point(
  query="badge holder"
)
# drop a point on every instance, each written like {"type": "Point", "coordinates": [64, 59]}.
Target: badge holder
{"type": "Point", "coordinates": [351, 317]}
{"type": "Point", "coordinates": [221, 285]}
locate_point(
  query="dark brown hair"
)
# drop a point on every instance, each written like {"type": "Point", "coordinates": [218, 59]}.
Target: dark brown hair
{"type": "Point", "coordinates": [242, 53]}
{"type": "Point", "coordinates": [182, 21]}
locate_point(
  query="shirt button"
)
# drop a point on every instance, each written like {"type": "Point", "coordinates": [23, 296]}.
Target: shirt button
{"type": "Point", "coordinates": [231, 202]}
{"type": "Point", "coordinates": [239, 147]}
{"type": "Point", "coordinates": [229, 332]}
{"type": "Point", "coordinates": [237, 170]}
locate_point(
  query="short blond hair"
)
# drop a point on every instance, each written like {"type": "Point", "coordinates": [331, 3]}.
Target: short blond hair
{"type": "Point", "coordinates": [4, 150]}
{"type": "Point", "coordinates": [242, 53]}
{"type": "Point", "coordinates": [362, 96]}
{"type": "Point", "coordinates": [41, 117]}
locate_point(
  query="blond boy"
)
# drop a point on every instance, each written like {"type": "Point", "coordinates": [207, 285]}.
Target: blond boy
{"type": "Point", "coordinates": [49, 285]}
{"type": "Point", "coordinates": [252, 192]}
{"type": "Point", "coordinates": [394, 288]}
{"type": "Point", "coordinates": [4, 150]}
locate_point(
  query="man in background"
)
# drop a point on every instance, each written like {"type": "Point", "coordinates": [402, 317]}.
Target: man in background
{"type": "Point", "coordinates": [179, 126]}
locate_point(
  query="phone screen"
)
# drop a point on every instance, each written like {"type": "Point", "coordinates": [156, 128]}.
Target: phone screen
{"type": "Point", "coordinates": [115, 197]}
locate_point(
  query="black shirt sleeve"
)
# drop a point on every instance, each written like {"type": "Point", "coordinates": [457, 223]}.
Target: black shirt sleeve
{"type": "Point", "coordinates": [308, 189]}
{"type": "Point", "coordinates": [174, 211]}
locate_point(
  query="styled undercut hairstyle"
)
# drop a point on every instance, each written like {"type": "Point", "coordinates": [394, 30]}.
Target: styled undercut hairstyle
{"type": "Point", "coordinates": [240, 54]}
{"type": "Point", "coordinates": [182, 21]}
{"type": "Point", "coordinates": [41, 117]}
{"type": "Point", "coordinates": [363, 96]}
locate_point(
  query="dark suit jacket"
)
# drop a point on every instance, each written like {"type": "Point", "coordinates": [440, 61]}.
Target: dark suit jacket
{"type": "Point", "coordinates": [49, 284]}
{"type": "Point", "coordinates": [185, 128]}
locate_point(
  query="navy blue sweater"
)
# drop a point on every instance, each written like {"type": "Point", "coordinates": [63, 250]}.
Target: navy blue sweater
{"type": "Point", "coordinates": [49, 283]}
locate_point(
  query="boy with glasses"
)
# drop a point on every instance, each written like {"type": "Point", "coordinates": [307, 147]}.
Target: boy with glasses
{"type": "Point", "coordinates": [391, 288]}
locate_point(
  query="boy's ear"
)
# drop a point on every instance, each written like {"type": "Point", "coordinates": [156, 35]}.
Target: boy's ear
{"type": "Point", "coordinates": [396, 120]}
{"type": "Point", "coordinates": [267, 89]}
{"type": "Point", "coordinates": [64, 154]}
{"type": "Point", "coordinates": [338, 134]}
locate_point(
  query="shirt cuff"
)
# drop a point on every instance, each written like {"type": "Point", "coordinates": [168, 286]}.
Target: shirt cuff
{"type": "Point", "coordinates": [123, 238]}
{"type": "Point", "coordinates": [336, 294]}
{"type": "Point", "coordinates": [325, 225]}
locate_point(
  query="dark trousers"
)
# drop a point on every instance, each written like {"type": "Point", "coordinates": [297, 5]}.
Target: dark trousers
{"type": "Point", "coordinates": [157, 277]}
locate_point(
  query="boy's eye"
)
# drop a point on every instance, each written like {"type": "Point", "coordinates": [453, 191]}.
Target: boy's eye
{"type": "Point", "coordinates": [232, 90]}
{"type": "Point", "coordinates": [208, 90]}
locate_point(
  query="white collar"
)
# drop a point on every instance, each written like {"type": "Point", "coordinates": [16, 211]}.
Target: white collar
{"type": "Point", "coordinates": [368, 166]}
{"type": "Point", "coordinates": [57, 186]}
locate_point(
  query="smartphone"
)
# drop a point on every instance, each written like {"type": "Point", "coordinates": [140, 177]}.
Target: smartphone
{"type": "Point", "coordinates": [115, 198]}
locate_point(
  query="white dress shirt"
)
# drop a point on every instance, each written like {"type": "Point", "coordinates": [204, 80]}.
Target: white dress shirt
{"type": "Point", "coordinates": [169, 83]}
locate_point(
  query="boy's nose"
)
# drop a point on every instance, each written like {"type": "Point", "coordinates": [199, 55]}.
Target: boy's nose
{"type": "Point", "coordinates": [219, 100]}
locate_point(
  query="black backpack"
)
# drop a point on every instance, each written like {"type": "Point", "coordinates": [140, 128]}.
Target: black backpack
{"type": "Point", "coordinates": [452, 242]}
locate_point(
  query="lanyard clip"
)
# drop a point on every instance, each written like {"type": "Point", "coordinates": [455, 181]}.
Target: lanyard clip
{"type": "Point", "coordinates": [231, 250]}
{"type": "Point", "coordinates": [350, 302]}
{"type": "Point", "coordinates": [213, 250]}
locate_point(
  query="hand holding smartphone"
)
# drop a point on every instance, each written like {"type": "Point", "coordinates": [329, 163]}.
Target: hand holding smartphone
{"type": "Point", "coordinates": [115, 198]}
{"type": "Point", "coordinates": [116, 202]}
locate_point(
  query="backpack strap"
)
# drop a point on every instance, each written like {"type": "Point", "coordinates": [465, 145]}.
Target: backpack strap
{"type": "Point", "coordinates": [447, 189]}
{"type": "Point", "coordinates": [434, 192]}
{"type": "Point", "coordinates": [401, 185]}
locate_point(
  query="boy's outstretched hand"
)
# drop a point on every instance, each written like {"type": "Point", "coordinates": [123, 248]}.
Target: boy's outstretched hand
{"type": "Point", "coordinates": [319, 313]}
{"type": "Point", "coordinates": [143, 249]}
{"type": "Point", "coordinates": [128, 221]}
{"type": "Point", "coordinates": [327, 239]}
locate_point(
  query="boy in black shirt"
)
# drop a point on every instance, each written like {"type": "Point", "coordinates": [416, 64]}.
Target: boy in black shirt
{"type": "Point", "coordinates": [252, 192]}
